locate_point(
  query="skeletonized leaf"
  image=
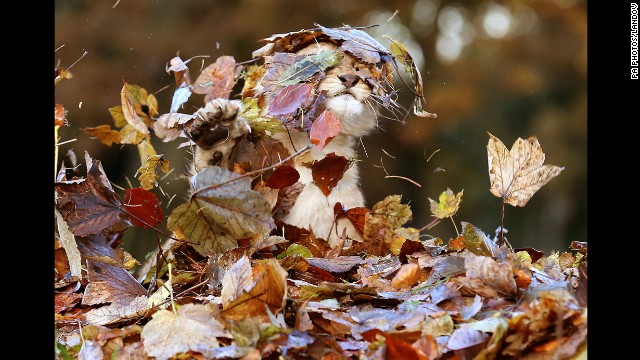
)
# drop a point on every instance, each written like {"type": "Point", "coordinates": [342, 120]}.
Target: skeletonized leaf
{"type": "Point", "coordinates": [129, 112]}
{"type": "Point", "coordinates": [516, 174]}
{"type": "Point", "coordinates": [104, 134]}
{"type": "Point", "coordinates": [236, 280]}
{"type": "Point", "coordinates": [324, 128]}
{"type": "Point", "coordinates": [447, 205]}
{"type": "Point", "coordinates": [217, 80]}
{"type": "Point", "coordinates": [68, 242]}
{"type": "Point", "coordinates": [118, 311]}
{"type": "Point", "coordinates": [193, 327]}
{"type": "Point", "coordinates": [221, 210]}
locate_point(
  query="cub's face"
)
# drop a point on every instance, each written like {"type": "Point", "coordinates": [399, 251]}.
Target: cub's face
{"type": "Point", "coordinates": [348, 96]}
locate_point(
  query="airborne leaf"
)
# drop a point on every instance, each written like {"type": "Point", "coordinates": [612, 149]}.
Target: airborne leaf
{"type": "Point", "coordinates": [324, 128]}
{"type": "Point", "coordinates": [222, 209]}
{"type": "Point", "coordinates": [516, 174]}
{"type": "Point", "coordinates": [180, 72]}
{"type": "Point", "coordinates": [180, 96]}
{"type": "Point", "coordinates": [217, 80]}
{"type": "Point", "coordinates": [130, 112]}
{"type": "Point", "coordinates": [193, 327]}
{"type": "Point", "coordinates": [59, 115]}
{"type": "Point", "coordinates": [447, 205]}
{"type": "Point", "coordinates": [143, 207]}
{"type": "Point", "coordinates": [104, 134]}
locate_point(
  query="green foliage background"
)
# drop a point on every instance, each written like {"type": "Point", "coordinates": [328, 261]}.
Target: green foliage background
{"type": "Point", "coordinates": [532, 81]}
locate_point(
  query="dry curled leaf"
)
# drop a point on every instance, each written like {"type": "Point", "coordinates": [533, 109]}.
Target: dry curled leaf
{"type": "Point", "coordinates": [130, 112]}
{"type": "Point", "coordinates": [407, 276]}
{"type": "Point", "coordinates": [68, 242]}
{"type": "Point", "coordinates": [516, 174]}
{"type": "Point", "coordinates": [192, 328]}
{"type": "Point", "coordinates": [104, 134]}
{"type": "Point", "coordinates": [217, 80]}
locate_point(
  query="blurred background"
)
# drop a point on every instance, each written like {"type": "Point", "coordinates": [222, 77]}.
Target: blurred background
{"type": "Point", "coordinates": [512, 68]}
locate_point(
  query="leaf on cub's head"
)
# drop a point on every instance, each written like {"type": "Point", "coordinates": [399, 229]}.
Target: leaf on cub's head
{"type": "Point", "coordinates": [447, 205]}
{"type": "Point", "coordinates": [324, 128]}
{"type": "Point", "coordinates": [304, 69]}
{"type": "Point", "coordinates": [218, 79]}
{"type": "Point", "coordinates": [221, 210]}
{"type": "Point", "coordinates": [143, 207]}
{"type": "Point", "coordinates": [401, 53]}
{"type": "Point", "coordinates": [516, 174]}
{"type": "Point", "coordinates": [90, 205]}
{"type": "Point", "coordinates": [290, 98]}
{"type": "Point", "coordinates": [358, 43]}
{"type": "Point", "coordinates": [327, 172]}
{"type": "Point", "coordinates": [104, 134]}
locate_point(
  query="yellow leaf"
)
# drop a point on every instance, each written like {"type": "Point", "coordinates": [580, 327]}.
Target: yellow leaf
{"type": "Point", "coordinates": [448, 204]}
{"type": "Point", "coordinates": [129, 111]}
{"type": "Point", "coordinates": [516, 174]}
{"type": "Point", "coordinates": [104, 134]}
{"type": "Point", "coordinates": [148, 176]}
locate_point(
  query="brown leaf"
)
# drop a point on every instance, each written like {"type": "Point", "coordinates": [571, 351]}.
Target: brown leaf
{"type": "Point", "coordinates": [237, 280]}
{"type": "Point", "coordinates": [104, 134]}
{"type": "Point", "coordinates": [180, 72]}
{"type": "Point", "coordinates": [269, 289]}
{"type": "Point", "coordinates": [488, 277]}
{"type": "Point", "coordinates": [337, 264]}
{"type": "Point", "coordinates": [466, 337]}
{"type": "Point", "coordinates": [65, 300]}
{"type": "Point", "coordinates": [68, 242]}
{"type": "Point", "coordinates": [218, 79]}
{"type": "Point", "coordinates": [193, 327]}
{"type": "Point", "coordinates": [516, 174]}
{"type": "Point", "coordinates": [380, 224]}
{"type": "Point", "coordinates": [286, 101]}
{"type": "Point", "coordinates": [407, 276]}
{"type": "Point", "coordinates": [327, 172]}
{"type": "Point", "coordinates": [129, 111]}
{"type": "Point", "coordinates": [324, 128]}
{"type": "Point", "coordinates": [90, 205]}
{"type": "Point", "coordinates": [118, 311]}
{"type": "Point", "coordinates": [169, 126]}
{"type": "Point", "coordinates": [358, 43]}
{"type": "Point", "coordinates": [283, 176]}
{"type": "Point", "coordinates": [109, 283]}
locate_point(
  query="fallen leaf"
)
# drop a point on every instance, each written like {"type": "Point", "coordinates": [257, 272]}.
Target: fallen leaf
{"type": "Point", "coordinates": [286, 101]}
{"type": "Point", "coordinates": [109, 283]}
{"type": "Point", "coordinates": [218, 79]}
{"type": "Point", "coordinates": [476, 241]}
{"type": "Point", "coordinates": [447, 205]}
{"type": "Point", "coordinates": [118, 311]}
{"type": "Point", "coordinates": [193, 327]}
{"type": "Point", "coordinates": [516, 174]}
{"type": "Point", "coordinates": [380, 224]}
{"type": "Point", "coordinates": [143, 207]}
{"type": "Point", "coordinates": [466, 337]}
{"type": "Point", "coordinates": [472, 309]}
{"type": "Point", "coordinates": [407, 276]}
{"type": "Point", "coordinates": [236, 280]}
{"type": "Point", "coordinates": [104, 134]}
{"type": "Point", "coordinates": [295, 249]}
{"type": "Point", "coordinates": [90, 350]}
{"type": "Point", "coordinates": [68, 242]}
{"type": "Point", "coordinates": [90, 205]}
{"type": "Point", "coordinates": [327, 172]}
{"type": "Point", "coordinates": [222, 209]}
{"type": "Point", "coordinates": [324, 128]}
{"type": "Point", "coordinates": [283, 176]}
{"type": "Point", "coordinates": [268, 292]}
{"type": "Point", "coordinates": [488, 277]}
{"type": "Point", "coordinates": [336, 264]}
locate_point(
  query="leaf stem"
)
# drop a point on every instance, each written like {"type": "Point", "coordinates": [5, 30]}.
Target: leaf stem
{"type": "Point", "coordinates": [501, 225]}
{"type": "Point", "coordinates": [251, 173]}
{"type": "Point", "coordinates": [433, 223]}
{"type": "Point", "coordinates": [454, 226]}
{"type": "Point", "coordinates": [55, 163]}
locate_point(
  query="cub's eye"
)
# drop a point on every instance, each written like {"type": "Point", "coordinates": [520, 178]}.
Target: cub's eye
{"type": "Point", "coordinates": [357, 68]}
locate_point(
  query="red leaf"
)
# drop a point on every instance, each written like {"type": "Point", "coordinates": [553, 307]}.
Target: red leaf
{"type": "Point", "coordinates": [357, 216]}
{"type": "Point", "coordinates": [59, 115]}
{"type": "Point", "coordinates": [283, 176]}
{"type": "Point", "coordinates": [142, 207]}
{"type": "Point", "coordinates": [289, 99]}
{"type": "Point", "coordinates": [324, 128]}
{"type": "Point", "coordinates": [328, 171]}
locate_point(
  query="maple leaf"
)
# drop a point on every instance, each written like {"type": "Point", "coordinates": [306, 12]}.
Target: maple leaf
{"type": "Point", "coordinates": [90, 205]}
{"type": "Point", "coordinates": [447, 205]}
{"type": "Point", "coordinates": [381, 223]}
{"type": "Point", "coordinates": [218, 79]}
{"type": "Point", "coordinates": [222, 209]}
{"type": "Point", "coordinates": [324, 129]}
{"type": "Point", "coordinates": [516, 174]}
{"type": "Point", "coordinates": [104, 134]}
{"type": "Point", "coordinates": [192, 328]}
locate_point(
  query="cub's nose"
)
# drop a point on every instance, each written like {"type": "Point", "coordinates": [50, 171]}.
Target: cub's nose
{"type": "Point", "coordinates": [348, 80]}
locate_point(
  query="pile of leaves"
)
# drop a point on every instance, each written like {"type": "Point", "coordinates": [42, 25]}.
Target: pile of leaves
{"type": "Point", "coordinates": [232, 281]}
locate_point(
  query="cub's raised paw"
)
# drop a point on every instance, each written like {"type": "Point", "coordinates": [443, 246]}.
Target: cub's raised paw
{"type": "Point", "coordinates": [216, 131]}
